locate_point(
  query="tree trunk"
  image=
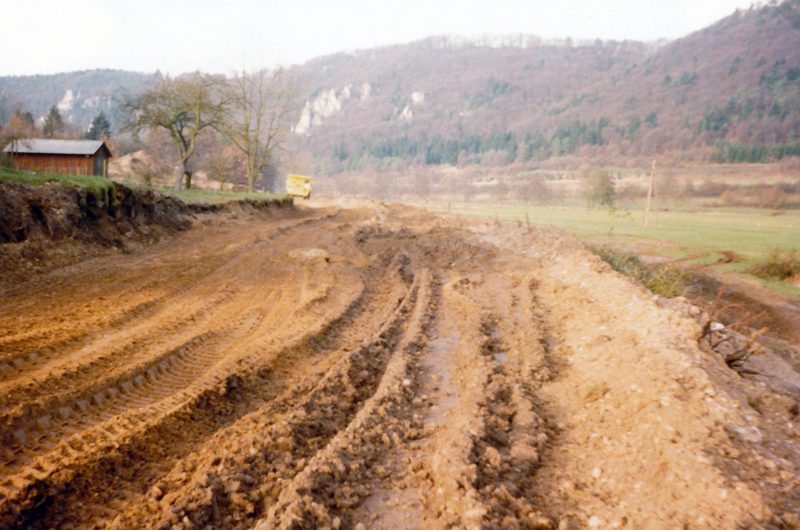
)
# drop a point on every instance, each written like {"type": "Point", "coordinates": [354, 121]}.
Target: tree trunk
{"type": "Point", "coordinates": [188, 180]}
{"type": "Point", "coordinates": [251, 176]}
{"type": "Point", "coordinates": [178, 186]}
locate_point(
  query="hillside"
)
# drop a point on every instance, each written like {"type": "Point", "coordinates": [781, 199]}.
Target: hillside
{"type": "Point", "coordinates": [736, 80]}
{"type": "Point", "coordinates": [79, 96]}
{"type": "Point", "coordinates": [730, 91]}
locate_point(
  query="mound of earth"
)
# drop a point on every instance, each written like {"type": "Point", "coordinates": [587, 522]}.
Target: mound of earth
{"type": "Point", "coordinates": [362, 366]}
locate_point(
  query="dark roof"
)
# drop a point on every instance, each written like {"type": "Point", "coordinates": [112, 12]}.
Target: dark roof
{"type": "Point", "coordinates": [58, 147]}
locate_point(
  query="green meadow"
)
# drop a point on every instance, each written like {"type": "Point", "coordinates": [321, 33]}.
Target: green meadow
{"type": "Point", "coordinates": [696, 236]}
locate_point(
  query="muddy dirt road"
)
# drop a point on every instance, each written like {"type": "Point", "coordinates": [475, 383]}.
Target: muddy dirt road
{"type": "Point", "coordinates": [368, 366]}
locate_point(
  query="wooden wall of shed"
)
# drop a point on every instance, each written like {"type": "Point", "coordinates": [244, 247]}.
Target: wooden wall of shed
{"type": "Point", "coordinates": [59, 164]}
{"type": "Point", "coordinates": [100, 165]}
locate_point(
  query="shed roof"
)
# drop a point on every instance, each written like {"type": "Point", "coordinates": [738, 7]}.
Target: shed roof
{"type": "Point", "coordinates": [57, 147]}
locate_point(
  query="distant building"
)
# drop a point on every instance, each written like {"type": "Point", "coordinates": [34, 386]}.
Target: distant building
{"type": "Point", "coordinates": [63, 157]}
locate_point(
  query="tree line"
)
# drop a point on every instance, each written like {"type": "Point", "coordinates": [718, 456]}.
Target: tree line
{"type": "Point", "coordinates": [248, 113]}
{"type": "Point", "coordinates": [731, 152]}
{"type": "Point", "coordinates": [502, 146]}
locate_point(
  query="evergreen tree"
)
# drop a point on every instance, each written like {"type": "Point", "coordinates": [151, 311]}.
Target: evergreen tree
{"type": "Point", "coordinates": [340, 151]}
{"type": "Point", "coordinates": [26, 117]}
{"type": "Point", "coordinates": [100, 128]}
{"type": "Point", "coordinates": [633, 126]}
{"type": "Point", "coordinates": [53, 124]}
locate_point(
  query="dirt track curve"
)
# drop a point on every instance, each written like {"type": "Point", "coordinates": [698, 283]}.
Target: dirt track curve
{"type": "Point", "coordinates": [370, 367]}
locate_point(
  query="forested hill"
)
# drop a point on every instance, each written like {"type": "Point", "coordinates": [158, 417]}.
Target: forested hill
{"type": "Point", "coordinates": [78, 96]}
{"type": "Point", "coordinates": [733, 84]}
{"type": "Point", "coordinates": [730, 90]}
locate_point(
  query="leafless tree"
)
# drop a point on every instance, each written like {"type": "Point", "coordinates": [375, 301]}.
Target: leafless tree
{"type": "Point", "coordinates": [184, 107]}
{"type": "Point", "coordinates": [221, 161]}
{"type": "Point", "coordinates": [258, 122]}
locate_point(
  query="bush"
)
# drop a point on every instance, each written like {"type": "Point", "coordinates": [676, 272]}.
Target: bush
{"type": "Point", "coordinates": [601, 189]}
{"type": "Point", "coordinates": [779, 265]}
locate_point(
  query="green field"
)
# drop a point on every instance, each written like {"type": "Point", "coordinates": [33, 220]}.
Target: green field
{"type": "Point", "coordinates": [215, 197]}
{"type": "Point", "coordinates": [695, 236]}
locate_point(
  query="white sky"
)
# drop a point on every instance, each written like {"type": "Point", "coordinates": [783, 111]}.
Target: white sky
{"type": "Point", "coordinates": [219, 36]}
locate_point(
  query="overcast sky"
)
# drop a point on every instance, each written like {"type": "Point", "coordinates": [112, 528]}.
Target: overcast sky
{"type": "Point", "coordinates": [220, 36]}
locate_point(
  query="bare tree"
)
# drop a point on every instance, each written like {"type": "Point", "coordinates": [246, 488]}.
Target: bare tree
{"type": "Point", "coordinates": [161, 160]}
{"type": "Point", "coordinates": [262, 104]}
{"type": "Point", "coordinates": [221, 161]}
{"type": "Point", "coordinates": [184, 107]}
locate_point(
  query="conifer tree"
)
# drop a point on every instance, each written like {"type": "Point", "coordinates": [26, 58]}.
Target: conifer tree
{"type": "Point", "coordinates": [100, 128]}
{"type": "Point", "coordinates": [53, 124]}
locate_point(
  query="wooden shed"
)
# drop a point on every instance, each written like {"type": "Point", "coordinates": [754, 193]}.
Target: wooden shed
{"type": "Point", "coordinates": [63, 157]}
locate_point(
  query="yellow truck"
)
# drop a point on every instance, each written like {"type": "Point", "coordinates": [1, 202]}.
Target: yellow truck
{"type": "Point", "coordinates": [297, 186]}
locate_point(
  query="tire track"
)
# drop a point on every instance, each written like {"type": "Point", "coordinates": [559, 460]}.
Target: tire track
{"type": "Point", "coordinates": [244, 386]}
{"type": "Point", "coordinates": [38, 345]}
{"type": "Point", "coordinates": [332, 483]}
{"type": "Point", "coordinates": [99, 356]}
{"type": "Point", "coordinates": [487, 445]}
{"type": "Point", "coordinates": [47, 322]}
{"type": "Point", "coordinates": [154, 395]}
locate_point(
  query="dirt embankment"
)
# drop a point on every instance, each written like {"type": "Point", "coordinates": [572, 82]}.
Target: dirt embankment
{"type": "Point", "coordinates": [358, 366]}
{"type": "Point", "coordinates": [56, 225]}
{"type": "Point", "coordinates": [57, 212]}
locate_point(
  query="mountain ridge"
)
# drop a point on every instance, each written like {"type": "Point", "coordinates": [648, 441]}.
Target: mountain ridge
{"type": "Point", "coordinates": [732, 85]}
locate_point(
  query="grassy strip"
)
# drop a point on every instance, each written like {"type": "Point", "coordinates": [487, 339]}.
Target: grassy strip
{"type": "Point", "coordinates": [663, 281]}
{"type": "Point", "coordinates": [103, 188]}
{"type": "Point", "coordinates": [98, 186]}
{"type": "Point", "coordinates": [217, 197]}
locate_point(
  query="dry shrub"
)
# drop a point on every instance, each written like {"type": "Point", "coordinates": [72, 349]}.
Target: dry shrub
{"type": "Point", "coordinates": [779, 265]}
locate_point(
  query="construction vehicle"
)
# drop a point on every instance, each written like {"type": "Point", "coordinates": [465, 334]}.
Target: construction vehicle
{"type": "Point", "coordinates": [298, 186]}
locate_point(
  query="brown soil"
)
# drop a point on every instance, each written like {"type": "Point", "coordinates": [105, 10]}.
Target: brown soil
{"type": "Point", "coordinates": [356, 365]}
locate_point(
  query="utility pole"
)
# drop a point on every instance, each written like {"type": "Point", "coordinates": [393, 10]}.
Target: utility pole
{"type": "Point", "coordinates": [649, 194]}
{"type": "Point", "coordinates": [655, 193]}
